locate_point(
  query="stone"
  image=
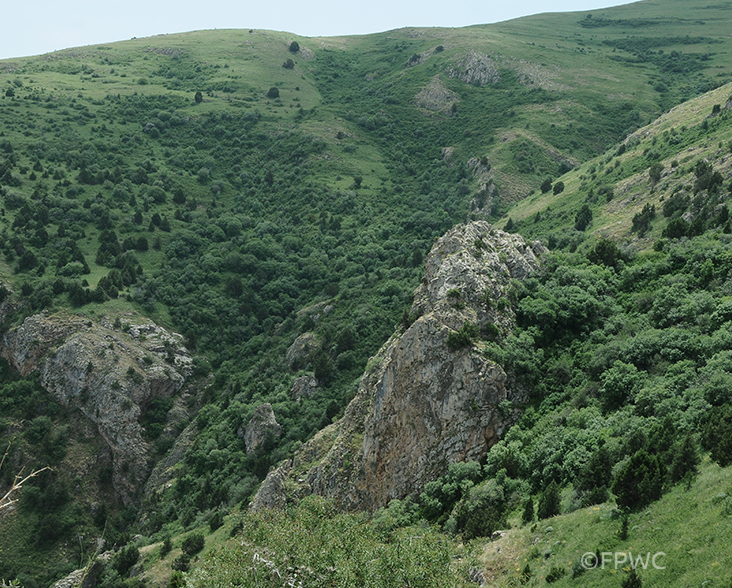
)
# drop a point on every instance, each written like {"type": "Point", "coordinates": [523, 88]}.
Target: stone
{"type": "Point", "coordinates": [421, 405]}
{"type": "Point", "coordinates": [262, 424]}
{"type": "Point", "coordinates": [304, 386]}
{"type": "Point", "coordinates": [301, 350]}
{"type": "Point", "coordinates": [106, 374]}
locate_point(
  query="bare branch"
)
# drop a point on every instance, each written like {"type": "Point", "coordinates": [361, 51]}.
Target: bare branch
{"type": "Point", "coordinates": [18, 482]}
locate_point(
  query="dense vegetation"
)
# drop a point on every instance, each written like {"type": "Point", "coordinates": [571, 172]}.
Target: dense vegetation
{"type": "Point", "coordinates": [247, 196]}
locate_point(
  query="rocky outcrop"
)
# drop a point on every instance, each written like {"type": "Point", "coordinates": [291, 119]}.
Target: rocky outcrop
{"type": "Point", "coordinates": [429, 398]}
{"type": "Point", "coordinates": [304, 386]}
{"type": "Point", "coordinates": [475, 68]}
{"type": "Point", "coordinates": [261, 425]}
{"type": "Point", "coordinates": [108, 374]}
{"type": "Point", "coordinates": [436, 97]}
{"type": "Point", "coordinates": [301, 349]}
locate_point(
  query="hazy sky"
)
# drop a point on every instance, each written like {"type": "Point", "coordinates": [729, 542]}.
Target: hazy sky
{"type": "Point", "coordinates": [32, 27]}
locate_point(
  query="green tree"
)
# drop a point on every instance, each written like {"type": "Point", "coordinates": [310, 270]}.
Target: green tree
{"type": "Point", "coordinates": [549, 501]}
{"type": "Point", "coordinates": [193, 544]}
{"type": "Point", "coordinates": [654, 173]}
{"type": "Point", "coordinates": [605, 252]}
{"type": "Point", "coordinates": [632, 580]}
{"type": "Point", "coordinates": [273, 92]}
{"type": "Point", "coordinates": [558, 188]}
{"type": "Point", "coordinates": [125, 559]}
{"type": "Point", "coordinates": [639, 482]}
{"type": "Point", "coordinates": [594, 479]}
{"type": "Point", "coordinates": [198, 97]}
{"type": "Point", "coordinates": [528, 514]}
{"type": "Point", "coordinates": [546, 185]}
{"type": "Point", "coordinates": [294, 47]}
{"type": "Point", "coordinates": [583, 218]}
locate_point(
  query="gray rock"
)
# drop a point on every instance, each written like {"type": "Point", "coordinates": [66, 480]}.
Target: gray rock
{"type": "Point", "coordinates": [420, 405]}
{"type": "Point", "coordinates": [261, 424]}
{"type": "Point", "coordinates": [301, 349]}
{"type": "Point", "coordinates": [304, 386]}
{"type": "Point", "coordinates": [107, 375]}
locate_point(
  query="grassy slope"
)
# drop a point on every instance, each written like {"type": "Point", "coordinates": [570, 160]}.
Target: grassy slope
{"type": "Point", "coordinates": [677, 140]}
{"type": "Point", "coordinates": [691, 526]}
{"type": "Point", "coordinates": [563, 95]}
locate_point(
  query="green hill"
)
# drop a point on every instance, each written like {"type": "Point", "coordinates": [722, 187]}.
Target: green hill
{"type": "Point", "coordinates": [246, 187]}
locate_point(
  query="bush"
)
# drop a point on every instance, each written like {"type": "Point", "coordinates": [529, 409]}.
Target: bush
{"type": "Point", "coordinates": [549, 502]}
{"type": "Point", "coordinates": [558, 188]}
{"type": "Point", "coordinates": [717, 434]}
{"type": "Point", "coordinates": [528, 513]}
{"type": "Point", "coordinates": [193, 544]}
{"type": "Point", "coordinates": [216, 521]}
{"type": "Point", "coordinates": [555, 573]}
{"type": "Point", "coordinates": [125, 559]}
{"type": "Point", "coordinates": [639, 482]}
{"type": "Point", "coordinates": [583, 218]}
{"type": "Point", "coordinates": [294, 47]}
{"type": "Point", "coordinates": [273, 93]}
{"type": "Point", "coordinates": [463, 337]}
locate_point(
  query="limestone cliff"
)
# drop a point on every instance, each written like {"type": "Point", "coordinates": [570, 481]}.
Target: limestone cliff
{"type": "Point", "coordinates": [107, 373]}
{"type": "Point", "coordinates": [429, 397]}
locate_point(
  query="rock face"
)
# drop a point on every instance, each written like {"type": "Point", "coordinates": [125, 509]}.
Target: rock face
{"type": "Point", "coordinates": [436, 97]}
{"type": "Point", "coordinates": [422, 404]}
{"type": "Point", "coordinates": [305, 386]}
{"type": "Point", "coordinates": [109, 375]}
{"type": "Point", "coordinates": [262, 424]}
{"type": "Point", "coordinates": [475, 68]}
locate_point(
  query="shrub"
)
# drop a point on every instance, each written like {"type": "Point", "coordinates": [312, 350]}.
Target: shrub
{"type": "Point", "coordinates": [193, 544]}
{"type": "Point", "coordinates": [528, 514]}
{"type": "Point", "coordinates": [639, 482]}
{"type": "Point", "coordinates": [125, 559]}
{"type": "Point", "coordinates": [555, 573]}
{"type": "Point", "coordinates": [463, 337]}
{"type": "Point", "coordinates": [273, 93]}
{"type": "Point", "coordinates": [583, 218]}
{"type": "Point", "coordinates": [549, 502]}
{"type": "Point", "coordinates": [558, 188]}
{"type": "Point", "coordinates": [216, 521]}
{"type": "Point", "coordinates": [294, 47]}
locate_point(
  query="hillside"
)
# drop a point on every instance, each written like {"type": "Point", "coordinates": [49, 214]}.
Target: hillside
{"type": "Point", "coordinates": [273, 199]}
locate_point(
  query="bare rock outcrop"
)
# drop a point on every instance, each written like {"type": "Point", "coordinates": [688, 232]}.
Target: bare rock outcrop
{"type": "Point", "coordinates": [304, 386]}
{"type": "Point", "coordinates": [436, 97]}
{"type": "Point", "coordinates": [475, 68]}
{"type": "Point", "coordinates": [261, 425]}
{"type": "Point", "coordinates": [106, 374]}
{"type": "Point", "coordinates": [423, 402]}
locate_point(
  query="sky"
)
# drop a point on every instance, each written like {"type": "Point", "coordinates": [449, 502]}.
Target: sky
{"type": "Point", "coordinates": [33, 27]}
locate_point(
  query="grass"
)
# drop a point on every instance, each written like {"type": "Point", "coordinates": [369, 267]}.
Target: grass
{"type": "Point", "coordinates": [691, 525]}
{"type": "Point", "coordinates": [680, 139]}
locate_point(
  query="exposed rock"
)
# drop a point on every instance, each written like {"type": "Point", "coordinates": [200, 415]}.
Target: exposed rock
{"type": "Point", "coordinates": [262, 424]}
{"type": "Point", "coordinates": [301, 349]}
{"type": "Point", "coordinates": [86, 577]}
{"type": "Point", "coordinates": [475, 68]}
{"type": "Point", "coordinates": [436, 97]}
{"type": "Point", "coordinates": [420, 405]}
{"type": "Point", "coordinates": [304, 386]}
{"type": "Point", "coordinates": [104, 373]}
